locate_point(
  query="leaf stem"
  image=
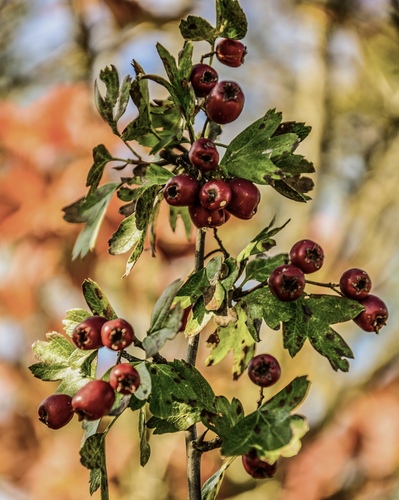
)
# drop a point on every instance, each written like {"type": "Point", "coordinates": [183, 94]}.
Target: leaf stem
{"type": "Point", "coordinates": [333, 286]}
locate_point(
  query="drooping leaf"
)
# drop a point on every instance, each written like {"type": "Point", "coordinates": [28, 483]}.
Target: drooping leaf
{"type": "Point", "coordinates": [143, 392]}
{"type": "Point", "coordinates": [145, 449]}
{"type": "Point", "coordinates": [101, 157]}
{"type": "Point", "coordinates": [192, 289]}
{"type": "Point", "coordinates": [92, 456]}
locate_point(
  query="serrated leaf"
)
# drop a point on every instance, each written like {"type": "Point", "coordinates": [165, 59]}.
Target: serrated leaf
{"type": "Point", "coordinates": [92, 456]}
{"type": "Point", "coordinates": [145, 449]}
{"type": "Point", "coordinates": [231, 21]}
{"type": "Point", "coordinates": [96, 300]}
{"type": "Point", "coordinates": [223, 416]}
{"type": "Point", "coordinates": [196, 28]}
{"type": "Point", "coordinates": [101, 157]}
{"type": "Point", "coordinates": [235, 337]}
{"type": "Point", "coordinates": [259, 269]}
{"type": "Point", "coordinates": [211, 487]}
{"type": "Point", "coordinates": [192, 289]}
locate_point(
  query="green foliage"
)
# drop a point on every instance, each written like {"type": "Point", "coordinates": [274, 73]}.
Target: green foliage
{"type": "Point", "coordinates": [92, 456]}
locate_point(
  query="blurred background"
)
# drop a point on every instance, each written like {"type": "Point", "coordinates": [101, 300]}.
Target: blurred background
{"type": "Point", "coordinates": [333, 64]}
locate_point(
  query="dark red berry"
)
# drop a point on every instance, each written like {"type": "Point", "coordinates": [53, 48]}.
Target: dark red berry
{"type": "Point", "coordinates": [56, 411]}
{"type": "Point", "coordinates": [374, 316]}
{"type": "Point", "coordinates": [117, 334]}
{"type": "Point", "coordinates": [215, 194]}
{"type": "Point", "coordinates": [245, 198]}
{"type": "Point", "coordinates": [225, 102]}
{"type": "Point", "coordinates": [94, 400]}
{"type": "Point", "coordinates": [257, 468]}
{"type": "Point", "coordinates": [181, 190]}
{"type": "Point", "coordinates": [202, 217]}
{"type": "Point", "coordinates": [264, 370]}
{"type": "Point", "coordinates": [231, 52]}
{"type": "Point", "coordinates": [124, 378]}
{"type": "Point", "coordinates": [307, 255]}
{"type": "Point", "coordinates": [355, 284]}
{"type": "Point", "coordinates": [203, 154]}
{"type": "Point", "coordinates": [87, 335]}
{"type": "Point", "coordinates": [203, 78]}
{"type": "Point", "coordinates": [286, 282]}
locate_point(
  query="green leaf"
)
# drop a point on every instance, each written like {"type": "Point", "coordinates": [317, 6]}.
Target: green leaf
{"type": "Point", "coordinates": [174, 213]}
{"type": "Point", "coordinates": [260, 268]}
{"type": "Point", "coordinates": [144, 390]}
{"type": "Point", "coordinates": [123, 97]}
{"type": "Point", "coordinates": [236, 338]}
{"type": "Point", "coordinates": [145, 449]}
{"type": "Point", "coordinates": [211, 487]}
{"type": "Point", "coordinates": [197, 319]}
{"type": "Point", "coordinates": [196, 28]}
{"type": "Point", "coordinates": [192, 289]}
{"type": "Point", "coordinates": [223, 416]}
{"type": "Point", "coordinates": [101, 157]}
{"type": "Point", "coordinates": [97, 300]}
{"type": "Point", "coordinates": [231, 21]}
{"type": "Point", "coordinates": [73, 318]}
{"type": "Point", "coordinates": [92, 456]}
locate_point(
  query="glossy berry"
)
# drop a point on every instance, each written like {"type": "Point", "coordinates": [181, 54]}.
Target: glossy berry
{"type": "Point", "coordinates": [202, 217]}
{"type": "Point", "coordinates": [264, 370]}
{"type": "Point", "coordinates": [215, 194]}
{"type": "Point", "coordinates": [257, 468]}
{"type": "Point", "coordinates": [56, 411]}
{"type": "Point", "coordinates": [231, 52]}
{"type": "Point", "coordinates": [245, 198]}
{"type": "Point", "coordinates": [203, 78]}
{"type": "Point", "coordinates": [124, 378]}
{"type": "Point", "coordinates": [286, 282]}
{"type": "Point", "coordinates": [355, 284]}
{"type": "Point", "coordinates": [181, 190]}
{"type": "Point", "coordinates": [87, 335]}
{"type": "Point", "coordinates": [117, 334]}
{"type": "Point", "coordinates": [307, 255]}
{"type": "Point", "coordinates": [374, 316]}
{"type": "Point", "coordinates": [225, 102]}
{"type": "Point", "coordinates": [203, 154]}
{"type": "Point", "coordinates": [94, 400]}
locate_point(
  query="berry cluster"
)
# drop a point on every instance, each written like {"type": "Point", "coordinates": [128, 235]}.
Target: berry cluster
{"type": "Point", "coordinates": [210, 197]}
{"type": "Point", "coordinates": [287, 283]}
{"type": "Point", "coordinates": [95, 399]}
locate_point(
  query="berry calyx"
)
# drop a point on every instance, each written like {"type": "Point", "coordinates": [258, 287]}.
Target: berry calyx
{"type": "Point", "coordinates": [202, 217]}
{"type": "Point", "coordinates": [203, 78]}
{"type": "Point", "coordinates": [203, 154]}
{"type": "Point", "coordinates": [355, 284]}
{"type": "Point", "coordinates": [307, 255]}
{"type": "Point", "coordinates": [87, 335]}
{"type": "Point", "coordinates": [374, 316]}
{"type": "Point", "coordinates": [181, 190]}
{"type": "Point", "coordinates": [124, 378]}
{"type": "Point", "coordinates": [264, 370]}
{"type": "Point", "coordinates": [94, 400]}
{"type": "Point", "coordinates": [257, 468]}
{"type": "Point", "coordinates": [225, 102]}
{"type": "Point", "coordinates": [117, 334]}
{"type": "Point", "coordinates": [286, 282]}
{"type": "Point", "coordinates": [215, 194]}
{"type": "Point", "coordinates": [56, 411]}
{"type": "Point", "coordinates": [245, 198]}
{"type": "Point", "coordinates": [231, 52]}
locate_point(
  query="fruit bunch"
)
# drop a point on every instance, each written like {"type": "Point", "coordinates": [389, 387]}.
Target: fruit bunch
{"type": "Point", "coordinates": [210, 196]}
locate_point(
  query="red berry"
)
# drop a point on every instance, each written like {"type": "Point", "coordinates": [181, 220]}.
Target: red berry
{"type": "Point", "coordinates": [374, 316]}
{"type": "Point", "coordinates": [56, 411]}
{"type": "Point", "coordinates": [231, 52]}
{"type": "Point", "coordinates": [117, 334]}
{"type": "Point", "coordinates": [94, 400]}
{"type": "Point", "coordinates": [87, 335]}
{"type": "Point", "coordinates": [203, 78]}
{"type": "Point", "coordinates": [355, 284]}
{"type": "Point", "coordinates": [307, 255]}
{"type": "Point", "coordinates": [245, 198]}
{"type": "Point", "coordinates": [286, 282]}
{"type": "Point", "coordinates": [215, 194]}
{"type": "Point", "coordinates": [225, 102]}
{"type": "Point", "coordinates": [202, 217]}
{"type": "Point", "coordinates": [203, 154]}
{"type": "Point", "coordinates": [124, 378]}
{"type": "Point", "coordinates": [264, 370]}
{"type": "Point", "coordinates": [257, 468]}
{"type": "Point", "coordinates": [181, 190]}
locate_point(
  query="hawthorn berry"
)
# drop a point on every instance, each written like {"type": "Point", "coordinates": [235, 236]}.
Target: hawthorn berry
{"type": "Point", "coordinates": [230, 52]}
{"type": "Point", "coordinates": [374, 316]}
{"type": "Point", "coordinates": [56, 411]}
{"type": "Point", "coordinates": [94, 400]}
{"type": "Point", "coordinates": [264, 370]}
{"type": "Point", "coordinates": [224, 102]}
{"type": "Point", "coordinates": [286, 282]}
{"type": "Point", "coordinates": [203, 78]}
{"type": "Point", "coordinates": [355, 283]}
{"type": "Point", "coordinates": [117, 334]}
{"type": "Point", "coordinates": [87, 335]}
{"type": "Point", "coordinates": [181, 190]}
{"type": "Point", "coordinates": [203, 154]}
{"type": "Point", "coordinates": [307, 255]}
{"type": "Point", "coordinates": [245, 198]}
{"type": "Point", "coordinates": [202, 217]}
{"type": "Point", "coordinates": [257, 468]}
{"type": "Point", "coordinates": [124, 378]}
{"type": "Point", "coordinates": [215, 194]}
